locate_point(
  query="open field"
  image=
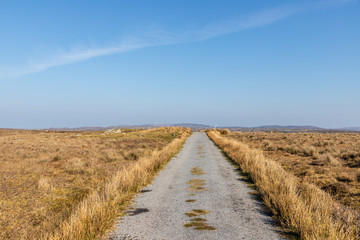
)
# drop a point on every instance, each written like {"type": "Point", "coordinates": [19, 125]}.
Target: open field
{"type": "Point", "coordinates": [329, 160]}
{"type": "Point", "coordinates": [72, 184]}
{"type": "Point", "coordinates": [300, 176]}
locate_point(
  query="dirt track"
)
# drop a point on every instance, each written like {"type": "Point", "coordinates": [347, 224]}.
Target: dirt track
{"type": "Point", "coordinates": [198, 195]}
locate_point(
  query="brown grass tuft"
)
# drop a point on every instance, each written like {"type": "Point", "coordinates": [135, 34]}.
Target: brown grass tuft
{"type": "Point", "coordinates": [329, 160]}
{"type": "Point", "coordinates": [224, 131]}
{"type": "Point", "coordinates": [44, 184]}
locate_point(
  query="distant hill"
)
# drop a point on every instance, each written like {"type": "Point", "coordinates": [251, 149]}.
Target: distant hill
{"type": "Point", "coordinates": [290, 127]}
{"type": "Point", "coordinates": [356, 129]}
{"type": "Point", "coordinates": [187, 125]}
{"type": "Point", "coordinates": [196, 126]}
{"type": "Point", "coordinates": [191, 125]}
{"type": "Point", "coordinates": [79, 129]}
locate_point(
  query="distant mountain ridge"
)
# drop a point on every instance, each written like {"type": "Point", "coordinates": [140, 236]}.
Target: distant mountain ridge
{"type": "Point", "coordinates": [187, 125]}
{"type": "Point", "coordinates": [204, 126]}
{"type": "Point", "coordinates": [357, 129]}
{"type": "Point", "coordinates": [289, 127]}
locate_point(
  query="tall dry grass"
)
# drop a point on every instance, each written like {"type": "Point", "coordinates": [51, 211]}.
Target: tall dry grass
{"type": "Point", "coordinates": [46, 175]}
{"type": "Point", "coordinates": [330, 161]}
{"type": "Point", "coordinates": [95, 214]}
{"type": "Point", "coordinates": [300, 206]}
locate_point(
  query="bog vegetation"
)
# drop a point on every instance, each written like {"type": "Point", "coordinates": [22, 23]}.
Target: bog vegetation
{"type": "Point", "coordinates": [72, 185]}
{"type": "Point", "coordinates": [329, 160]}
{"type": "Point", "coordinates": [309, 180]}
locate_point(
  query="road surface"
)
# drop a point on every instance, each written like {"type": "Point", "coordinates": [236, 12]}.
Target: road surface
{"type": "Point", "coordinates": [198, 195]}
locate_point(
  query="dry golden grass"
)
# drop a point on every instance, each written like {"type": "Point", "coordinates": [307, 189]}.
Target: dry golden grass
{"type": "Point", "coordinates": [298, 204]}
{"type": "Point", "coordinates": [72, 185]}
{"type": "Point", "coordinates": [329, 160]}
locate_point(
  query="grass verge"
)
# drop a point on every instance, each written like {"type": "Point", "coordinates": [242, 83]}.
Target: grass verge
{"type": "Point", "coordinates": [96, 213]}
{"type": "Point", "coordinates": [300, 206]}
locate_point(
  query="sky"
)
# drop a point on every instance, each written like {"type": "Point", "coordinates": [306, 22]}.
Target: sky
{"type": "Point", "coordinates": [231, 63]}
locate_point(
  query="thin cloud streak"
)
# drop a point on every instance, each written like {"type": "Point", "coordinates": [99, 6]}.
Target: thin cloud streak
{"type": "Point", "coordinates": [78, 56]}
{"type": "Point", "coordinates": [158, 38]}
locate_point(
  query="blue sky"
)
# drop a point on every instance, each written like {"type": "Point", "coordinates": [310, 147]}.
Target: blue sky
{"type": "Point", "coordinates": [238, 63]}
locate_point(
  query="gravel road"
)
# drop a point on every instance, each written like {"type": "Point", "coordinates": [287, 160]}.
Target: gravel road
{"type": "Point", "coordinates": [198, 195]}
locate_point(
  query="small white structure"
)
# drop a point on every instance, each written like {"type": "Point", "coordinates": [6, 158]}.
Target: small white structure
{"type": "Point", "coordinates": [112, 131]}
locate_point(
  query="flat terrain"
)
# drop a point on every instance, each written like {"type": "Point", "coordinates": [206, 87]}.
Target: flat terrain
{"type": "Point", "coordinates": [329, 160]}
{"type": "Point", "coordinates": [199, 195]}
{"type": "Point", "coordinates": [45, 174]}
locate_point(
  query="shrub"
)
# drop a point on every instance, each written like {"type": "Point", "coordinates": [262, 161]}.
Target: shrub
{"type": "Point", "coordinates": [329, 160]}
{"type": "Point", "coordinates": [132, 156]}
{"type": "Point", "coordinates": [358, 177]}
{"type": "Point", "coordinates": [56, 158]}
{"type": "Point", "coordinates": [224, 131]}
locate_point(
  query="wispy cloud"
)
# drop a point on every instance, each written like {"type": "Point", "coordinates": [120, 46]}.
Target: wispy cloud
{"type": "Point", "coordinates": [157, 38]}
